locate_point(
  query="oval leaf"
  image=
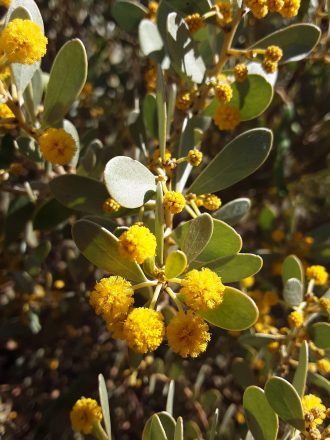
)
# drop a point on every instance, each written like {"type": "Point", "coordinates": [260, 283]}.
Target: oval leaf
{"type": "Point", "coordinates": [166, 421]}
{"type": "Point", "coordinates": [321, 334]}
{"type": "Point", "coordinates": [128, 14]}
{"type": "Point", "coordinates": [150, 40]}
{"type": "Point", "coordinates": [104, 399]}
{"type": "Point", "coordinates": [285, 401]}
{"type": "Point", "coordinates": [296, 41]}
{"type": "Point", "coordinates": [233, 211]}
{"type": "Point", "coordinates": [238, 159]}
{"type": "Point", "coordinates": [261, 418]}
{"type": "Point", "coordinates": [236, 268]}
{"type": "Point", "coordinates": [100, 247]}
{"type": "Point", "coordinates": [176, 263]}
{"type": "Point", "coordinates": [292, 268]}
{"type": "Point", "coordinates": [293, 292]}
{"type": "Point", "coordinates": [128, 181]}
{"type": "Point", "coordinates": [236, 312]}
{"type": "Point", "coordinates": [300, 376]}
{"type": "Point", "coordinates": [67, 78]}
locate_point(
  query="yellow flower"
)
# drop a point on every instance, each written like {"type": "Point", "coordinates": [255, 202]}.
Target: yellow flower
{"type": "Point", "coordinates": [225, 10]}
{"type": "Point", "coordinates": [184, 100]}
{"type": "Point", "coordinates": [290, 8]}
{"type": "Point", "coordinates": [258, 8]}
{"type": "Point", "coordinates": [296, 319]}
{"type": "Point", "coordinates": [278, 235]}
{"type": "Point", "coordinates": [273, 53]}
{"type": "Point", "coordinates": [202, 289]}
{"type": "Point", "coordinates": [57, 146]}
{"type": "Point", "coordinates": [247, 282]}
{"type": "Point", "coordinates": [4, 73]}
{"type": "Point", "coordinates": [137, 244]}
{"type": "Point", "coordinates": [240, 72]}
{"type": "Point", "coordinates": [224, 93]}
{"type": "Point", "coordinates": [227, 117]}
{"type": "Point", "coordinates": [195, 157]}
{"type": "Point", "coordinates": [111, 298]}
{"type": "Point", "coordinates": [22, 41]}
{"type": "Point", "coordinates": [194, 22]}
{"type": "Point", "coordinates": [187, 334]}
{"type": "Point", "coordinates": [174, 202]}
{"type": "Point", "coordinates": [85, 414]}
{"type": "Point", "coordinates": [5, 3]}
{"type": "Point", "coordinates": [325, 303]}
{"type": "Point", "coordinates": [211, 202]}
{"type": "Point", "coordinates": [144, 330]}
{"type": "Point", "coordinates": [110, 205]}
{"type": "Point", "coordinates": [273, 346]}
{"type": "Point", "coordinates": [275, 5]}
{"type": "Point", "coordinates": [318, 273]}
{"type": "Point", "coordinates": [152, 10]}
{"type": "Point", "coordinates": [6, 113]}
{"type": "Point", "coordinates": [323, 366]}
{"type": "Point", "coordinates": [314, 410]}
{"type": "Point", "coordinates": [269, 66]}
{"type": "Point", "coordinates": [116, 328]}
{"type": "Point", "coordinates": [156, 155]}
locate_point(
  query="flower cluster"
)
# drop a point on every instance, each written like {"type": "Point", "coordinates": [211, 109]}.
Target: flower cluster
{"type": "Point", "coordinates": [85, 415]}
{"type": "Point", "coordinates": [260, 8]}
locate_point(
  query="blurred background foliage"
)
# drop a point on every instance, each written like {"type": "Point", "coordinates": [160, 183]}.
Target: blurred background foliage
{"type": "Point", "coordinates": [52, 344]}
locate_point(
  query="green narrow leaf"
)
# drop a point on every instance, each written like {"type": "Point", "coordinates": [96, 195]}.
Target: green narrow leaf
{"type": "Point", "coordinates": [157, 431]}
{"type": "Point", "coordinates": [214, 425]}
{"type": "Point", "coordinates": [104, 399]}
{"type": "Point", "coordinates": [159, 223]}
{"type": "Point", "coordinates": [170, 398]}
{"type": "Point", "coordinates": [190, 6]}
{"type": "Point", "coordinates": [259, 340]}
{"type": "Point", "coordinates": [321, 334]}
{"type": "Point", "coordinates": [261, 418]}
{"type": "Point", "coordinates": [128, 181]}
{"type": "Point", "coordinates": [232, 269]}
{"type": "Point", "coordinates": [178, 434]}
{"type": "Point", "coordinates": [150, 115]}
{"type": "Point", "coordinates": [176, 263]}
{"type": "Point", "coordinates": [236, 312]}
{"type": "Point", "coordinates": [285, 401]}
{"type": "Point", "coordinates": [319, 381]}
{"type": "Point", "coordinates": [67, 78]}
{"type": "Point", "coordinates": [237, 160]}
{"type": "Point", "coordinates": [292, 268]}
{"type": "Point", "coordinates": [100, 247]}
{"type": "Point", "coordinates": [300, 376]}
{"type": "Point", "coordinates": [194, 235]}
{"type": "Point", "coordinates": [233, 211]}
{"type": "Point", "coordinates": [162, 111]}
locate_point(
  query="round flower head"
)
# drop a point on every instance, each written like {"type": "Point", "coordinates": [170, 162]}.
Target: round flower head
{"type": "Point", "coordinates": [240, 72]}
{"type": "Point", "coordinates": [325, 303]}
{"type": "Point", "coordinates": [202, 289]}
{"type": "Point", "coordinates": [194, 22]}
{"type": "Point", "coordinates": [314, 410]}
{"type": "Point", "coordinates": [273, 53]}
{"type": "Point", "coordinates": [152, 10]}
{"type": "Point", "coordinates": [137, 244]}
{"type": "Point", "coordinates": [187, 334]}
{"type": "Point", "coordinates": [296, 319]}
{"type": "Point", "coordinates": [110, 205]}
{"type": "Point", "coordinates": [57, 146]}
{"type": "Point", "coordinates": [174, 202]}
{"type": "Point", "coordinates": [224, 93]}
{"type": "Point", "coordinates": [183, 101]}
{"type": "Point", "coordinates": [318, 274]}
{"type": "Point", "coordinates": [211, 202]}
{"type": "Point", "coordinates": [290, 8]}
{"type": "Point", "coordinates": [111, 298]}
{"type": "Point", "coordinates": [226, 117]}
{"type": "Point", "coordinates": [195, 157]}
{"type": "Point", "coordinates": [323, 365]}
{"type": "Point", "coordinates": [247, 282]}
{"type": "Point", "coordinates": [225, 10]}
{"type": "Point", "coordinates": [85, 414]}
{"type": "Point", "coordinates": [22, 41]}
{"type": "Point", "coordinates": [144, 330]}
{"type": "Point", "coordinates": [269, 66]}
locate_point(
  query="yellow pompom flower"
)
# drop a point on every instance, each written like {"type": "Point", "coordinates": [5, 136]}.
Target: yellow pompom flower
{"type": "Point", "coordinates": [325, 303]}
{"type": "Point", "coordinates": [112, 297]}
{"type": "Point", "coordinates": [211, 202]}
{"type": "Point", "coordinates": [144, 330]}
{"type": "Point", "coordinates": [290, 8]}
{"type": "Point", "coordinates": [6, 113]}
{"type": "Point", "coordinates": [85, 414]}
{"type": "Point", "coordinates": [110, 205]}
{"type": "Point", "coordinates": [323, 365]}
{"type": "Point", "coordinates": [137, 244]}
{"type": "Point", "coordinates": [258, 8]}
{"type": "Point", "coordinates": [296, 319]}
{"type": "Point", "coordinates": [240, 72]}
{"type": "Point", "coordinates": [225, 10]}
{"type": "Point", "coordinates": [187, 334]}
{"type": "Point", "coordinates": [22, 41]}
{"type": "Point", "coordinates": [318, 273]}
{"type": "Point", "coordinates": [273, 54]}
{"type": "Point", "coordinates": [275, 5]}
{"type": "Point", "coordinates": [152, 10]}
{"type": "Point", "coordinates": [116, 328]}
{"type": "Point", "coordinates": [314, 410]}
{"type": "Point", "coordinates": [247, 282]}
{"type": "Point", "coordinates": [224, 93]}
{"type": "Point", "coordinates": [227, 117]}
{"type": "Point", "coordinates": [183, 101]}
{"type": "Point", "coordinates": [269, 66]}
{"type": "Point", "coordinates": [174, 202]}
{"type": "Point", "coordinates": [4, 73]}
{"type": "Point", "coordinates": [194, 22]}
{"type": "Point", "coordinates": [195, 157]}
{"type": "Point", "coordinates": [57, 146]}
{"type": "Point", "coordinates": [202, 290]}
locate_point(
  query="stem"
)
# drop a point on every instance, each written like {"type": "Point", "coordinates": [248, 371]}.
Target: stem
{"type": "Point", "coordinates": [195, 207]}
{"type": "Point", "coordinates": [175, 280]}
{"type": "Point", "coordinates": [155, 296]}
{"type": "Point", "coordinates": [175, 298]}
{"type": "Point", "coordinates": [310, 286]}
{"type": "Point", "coordinates": [145, 284]}
{"type": "Point", "coordinates": [190, 211]}
{"type": "Point", "coordinates": [99, 433]}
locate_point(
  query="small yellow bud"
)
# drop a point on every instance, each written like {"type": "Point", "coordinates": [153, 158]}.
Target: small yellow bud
{"type": "Point", "coordinates": [318, 273]}
{"type": "Point", "coordinates": [296, 319]}
{"type": "Point", "coordinates": [227, 117]}
{"type": "Point", "coordinates": [240, 72]}
{"type": "Point", "coordinates": [194, 22]}
{"type": "Point", "coordinates": [110, 205]}
{"type": "Point", "coordinates": [211, 202]}
{"type": "Point", "coordinates": [273, 54]}
{"type": "Point", "coordinates": [224, 93]}
{"type": "Point", "coordinates": [195, 157]}
{"type": "Point", "coordinates": [174, 202]}
{"type": "Point", "coordinates": [183, 101]}
{"type": "Point", "coordinates": [269, 66]}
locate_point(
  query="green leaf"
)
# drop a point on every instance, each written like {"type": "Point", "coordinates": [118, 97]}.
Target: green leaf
{"type": "Point", "coordinates": [150, 115]}
{"type": "Point", "coordinates": [232, 212]}
{"type": "Point", "coordinates": [164, 425]}
{"type": "Point", "coordinates": [259, 340]}
{"type": "Point", "coordinates": [224, 242]}
{"type": "Point", "coordinates": [296, 41]}
{"type": "Point", "coordinates": [100, 247]}
{"type": "Point", "coordinates": [29, 5]}
{"type": "Point", "coordinates": [104, 399]}
{"type": "Point", "coordinates": [321, 334]}
{"type": "Point", "coordinates": [300, 376]}
{"type": "Point", "coordinates": [151, 42]}
{"type": "Point", "coordinates": [50, 214]}
{"type": "Point", "coordinates": [178, 434]}
{"type": "Point", "coordinates": [243, 374]}
{"type": "Point", "coordinates": [189, 6]}
{"type": "Point", "coordinates": [251, 97]}
{"type": "Point", "coordinates": [214, 426]}
{"type": "Point", "coordinates": [232, 269]}
{"type": "Point", "coordinates": [128, 14]}
{"type": "Point", "coordinates": [67, 78]}
{"type": "Point", "coordinates": [237, 160]}
{"type": "Point", "coordinates": [161, 111]}
{"type": "Point", "coordinates": [319, 381]}
{"type": "Point", "coordinates": [285, 401]}
{"type": "Point", "coordinates": [267, 218]}
{"type": "Point", "coordinates": [128, 181]}
{"type": "Point", "coordinates": [79, 193]}
{"type": "Point", "coordinates": [261, 419]}
{"type": "Point", "coordinates": [29, 147]}
{"type": "Point", "coordinates": [293, 292]}
{"type": "Point", "coordinates": [170, 398]}
{"type": "Point", "coordinates": [157, 432]}
{"type": "Point", "coordinates": [236, 312]}
{"type": "Point", "coordinates": [194, 235]}
{"type": "Point", "coordinates": [176, 263]}
{"type": "Point", "coordinates": [292, 268]}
